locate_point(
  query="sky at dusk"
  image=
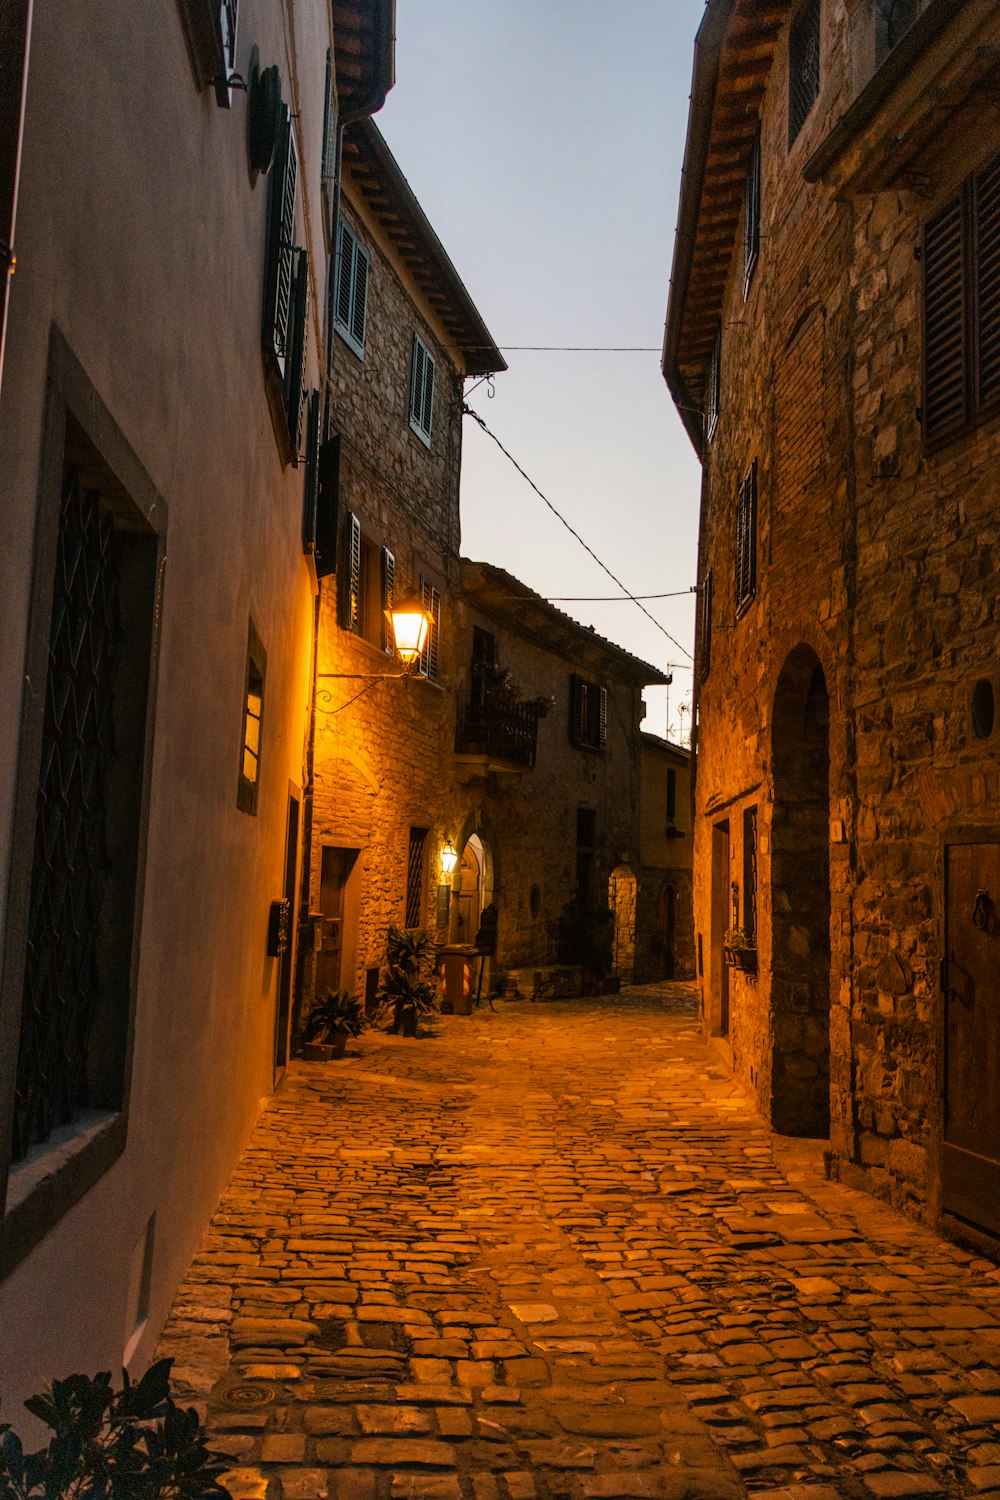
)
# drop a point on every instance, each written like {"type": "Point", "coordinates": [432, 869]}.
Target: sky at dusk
{"type": "Point", "coordinates": [544, 140]}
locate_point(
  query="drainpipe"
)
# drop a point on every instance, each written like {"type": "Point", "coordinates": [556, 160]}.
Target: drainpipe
{"type": "Point", "coordinates": [15, 39]}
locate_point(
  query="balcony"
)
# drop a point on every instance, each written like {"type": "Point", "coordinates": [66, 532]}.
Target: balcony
{"type": "Point", "coordinates": [498, 736]}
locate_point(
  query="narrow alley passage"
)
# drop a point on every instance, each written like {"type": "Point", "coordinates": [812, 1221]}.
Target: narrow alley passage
{"type": "Point", "coordinates": [549, 1252]}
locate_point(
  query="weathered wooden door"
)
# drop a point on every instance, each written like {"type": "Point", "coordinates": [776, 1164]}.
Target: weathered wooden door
{"type": "Point", "coordinates": [719, 976]}
{"type": "Point", "coordinates": [971, 976]}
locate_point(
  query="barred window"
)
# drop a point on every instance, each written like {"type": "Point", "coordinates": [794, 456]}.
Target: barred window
{"type": "Point", "coordinates": [746, 541]}
{"type": "Point", "coordinates": [415, 876]}
{"type": "Point", "coordinates": [803, 66]}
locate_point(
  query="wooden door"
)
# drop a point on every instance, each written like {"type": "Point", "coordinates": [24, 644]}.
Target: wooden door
{"type": "Point", "coordinates": [971, 980]}
{"type": "Point", "coordinates": [286, 963]}
{"type": "Point", "coordinates": [335, 869]}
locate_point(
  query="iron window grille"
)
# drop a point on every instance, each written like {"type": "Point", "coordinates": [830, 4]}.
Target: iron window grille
{"type": "Point", "coordinates": [750, 873]}
{"type": "Point", "coordinates": [961, 305]}
{"type": "Point", "coordinates": [421, 390]}
{"type": "Point", "coordinates": [415, 876]}
{"type": "Point", "coordinates": [350, 290]}
{"type": "Point", "coordinates": [751, 213]}
{"type": "Point", "coordinates": [588, 714]}
{"type": "Point", "coordinates": [746, 541]}
{"type": "Point", "coordinates": [712, 386]}
{"type": "Point", "coordinates": [803, 66]}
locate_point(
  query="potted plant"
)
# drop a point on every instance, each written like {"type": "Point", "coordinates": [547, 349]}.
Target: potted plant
{"type": "Point", "coordinates": [333, 1020]}
{"type": "Point", "coordinates": [405, 988]}
{"type": "Point", "coordinates": [132, 1444]}
{"type": "Point", "coordinates": [739, 948]}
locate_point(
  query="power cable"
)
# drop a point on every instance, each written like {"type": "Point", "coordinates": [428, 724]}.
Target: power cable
{"type": "Point", "coordinates": [468, 411]}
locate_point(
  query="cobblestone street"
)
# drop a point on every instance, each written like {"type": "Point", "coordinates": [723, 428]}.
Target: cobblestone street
{"type": "Point", "coordinates": [549, 1252]}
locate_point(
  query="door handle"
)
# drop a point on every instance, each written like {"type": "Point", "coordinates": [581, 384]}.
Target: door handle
{"type": "Point", "coordinates": [981, 910]}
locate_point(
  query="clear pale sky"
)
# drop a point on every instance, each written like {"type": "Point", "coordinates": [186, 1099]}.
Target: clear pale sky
{"type": "Point", "coordinates": [544, 139]}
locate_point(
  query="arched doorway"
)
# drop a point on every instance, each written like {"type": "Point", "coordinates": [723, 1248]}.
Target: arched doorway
{"type": "Point", "coordinates": [470, 891]}
{"type": "Point", "coordinates": [800, 899]}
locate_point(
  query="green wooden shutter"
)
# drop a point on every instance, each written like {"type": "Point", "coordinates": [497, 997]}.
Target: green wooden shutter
{"type": "Point", "coordinates": [986, 189]}
{"type": "Point", "coordinates": [416, 382]}
{"type": "Point", "coordinates": [328, 163]}
{"type": "Point", "coordinates": [427, 417]}
{"type": "Point", "coordinates": [280, 256]}
{"type": "Point", "coordinates": [431, 601]}
{"type": "Point", "coordinates": [298, 351]}
{"type": "Point", "coordinates": [310, 486]}
{"type": "Point", "coordinates": [327, 507]}
{"type": "Point", "coordinates": [359, 296]}
{"type": "Point", "coordinates": [388, 587]}
{"type": "Point", "coordinates": [946, 323]}
{"type": "Point", "coordinates": [346, 246]}
{"type": "Point", "coordinates": [350, 598]}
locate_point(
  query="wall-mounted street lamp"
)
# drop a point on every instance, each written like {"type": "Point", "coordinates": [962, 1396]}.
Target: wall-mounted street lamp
{"type": "Point", "coordinates": [449, 857]}
{"type": "Point", "coordinates": [410, 622]}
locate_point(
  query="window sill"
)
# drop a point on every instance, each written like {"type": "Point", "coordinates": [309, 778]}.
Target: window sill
{"type": "Point", "coordinates": [54, 1177]}
{"type": "Point", "coordinates": [356, 349]}
{"type": "Point", "coordinates": [419, 432]}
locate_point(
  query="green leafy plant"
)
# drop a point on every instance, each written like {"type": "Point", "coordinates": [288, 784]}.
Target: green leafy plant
{"type": "Point", "coordinates": [739, 940]}
{"type": "Point", "coordinates": [405, 988]}
{"type": "Point", "coordinates": [132, 1444]}
{"type": "Point", "coordinates": [334, 1013]}
{"type": "Point", "coordinates": [585, 936]}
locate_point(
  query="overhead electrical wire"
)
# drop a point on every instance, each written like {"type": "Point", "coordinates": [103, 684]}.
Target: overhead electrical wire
{"type": "Point", "coordinates": [469, 412]}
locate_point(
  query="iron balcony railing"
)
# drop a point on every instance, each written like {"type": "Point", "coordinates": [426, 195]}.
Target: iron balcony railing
{"type": "Point", "coordinates": [503, 731]}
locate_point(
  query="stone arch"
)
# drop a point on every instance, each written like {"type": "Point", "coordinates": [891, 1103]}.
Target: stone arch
{"type": "Point", "coordinates": [623, 888]}
{"type": "Point", "coordinates": [800, 898]}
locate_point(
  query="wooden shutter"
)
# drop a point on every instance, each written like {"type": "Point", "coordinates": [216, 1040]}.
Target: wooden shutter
{"type": "Point", "coordinates": [601, 737]}
{"type": "Point", "coordinates": [327, 507]}
{"type": "Point", "coordinates": [280, 260]}
{"type": "Point", "coordinates": [346, 246]}
{"type": "Point", "coordinates": [350, 599]}
{"type": "Point", "coordinates": [417, 381]}
{"type": "Point", "coordinates": [577, 710]}
{"type": "Point", "coordinates": [388, 587]}
{"type": "Point", "coordinates": [310, 486]}
{"type": "Point", "coordinates": [299, 348]}
{"type": "Point", "coordinates": [359, 296]}
{"type": "Point", "coordinates": [328, 165]}
{"type": "Point", "coordinates": [712, 383]}
{"type": "Point", "coordinates": [946, 323]}
{"type": "Point", "coordinates": [427, 415]}
{"type": "Point", "coordinates": [431, 601]}
{"type": "Point", "coordinates": [986, 191]}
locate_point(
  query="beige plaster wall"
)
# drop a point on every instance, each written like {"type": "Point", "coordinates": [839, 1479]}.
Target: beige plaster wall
{"type": "Point", "coordinates": [141, 237]}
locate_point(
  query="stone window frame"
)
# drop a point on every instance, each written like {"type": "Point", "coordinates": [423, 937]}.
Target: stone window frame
{"type": "Point", "coordinates": [52, 1181]}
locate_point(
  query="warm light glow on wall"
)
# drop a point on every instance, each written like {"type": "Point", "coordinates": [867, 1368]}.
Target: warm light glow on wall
{"type": "Point", "coordinates": [449, 857]}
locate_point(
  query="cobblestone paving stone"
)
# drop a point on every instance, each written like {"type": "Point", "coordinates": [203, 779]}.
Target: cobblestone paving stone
{"type": "Point", "coordinates": [549, 1252]}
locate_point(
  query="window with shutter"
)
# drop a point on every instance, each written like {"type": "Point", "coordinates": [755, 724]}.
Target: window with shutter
{"type": "Point", "coordinates": [712, 387]}
{"type": "Point", "coordinates": [279, 279]}
{"type": "Point", "coordinates": [350, 596]}
{"type": "Point", "coordinates": [431, 601]}
{"type": "Point", "coordinates": [328, 160]}
{"type": "Point", "coordinates": [588, 714]}
{"type": "Point", "coordinates": [421, 390]}
{"type": "Point", "coordinates": [350, 290]}
{"type": "Point", "coordinates": [310, 483]}
{"type": "Point", "coordinates": [327, 507]}
{"type": "Point", "coordinates": [705, 625]}
{"type": "Point", "coordinates": [211, 34]}
{"type": "Point", "coordinates": [986, 187]}
{"type": "Point", "coordinates": [388, 589]}
{"type": "Point", "coordinates": [803, 66]}
{"type": "Point", "coordinates": [751, 214]}
{"type": "Point", "coordinates": [298, 350]}
{"type": "Point", "coordinates": [746, 541]}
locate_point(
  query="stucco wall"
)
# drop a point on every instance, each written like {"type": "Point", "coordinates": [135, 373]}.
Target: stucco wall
{"type": "Point", "coordinates": [141, 236]}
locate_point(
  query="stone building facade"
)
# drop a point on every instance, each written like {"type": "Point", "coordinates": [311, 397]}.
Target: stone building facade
{"type": "Point", "coordinates": [164, 351]}
{"type": "Point", "coordinates": [488, 747]}
{"type": "Point", "coordinates": [665, 919]}
{"type": "Point", "coordinates": [830, 346]}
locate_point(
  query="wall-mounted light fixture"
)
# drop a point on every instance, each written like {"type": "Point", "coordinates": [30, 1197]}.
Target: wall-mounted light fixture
{"type": "Point", "coordinates": [410, 622]}
{"type": "Point", "coordinates": [449, 857]}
